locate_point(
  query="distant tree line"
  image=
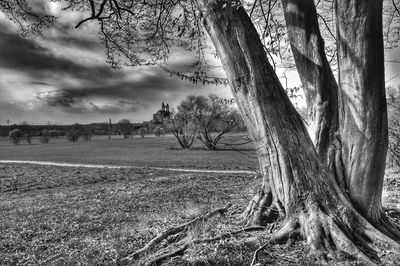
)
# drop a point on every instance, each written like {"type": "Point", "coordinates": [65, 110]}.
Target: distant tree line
{"type": "Point", "coordinates": [81, 129]}
{"type": "Point", "coordinates": [23, 132]}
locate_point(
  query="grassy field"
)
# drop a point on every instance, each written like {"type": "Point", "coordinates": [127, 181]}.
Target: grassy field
{"type": "Point", "coordinates": [149, 151]}
{"type": "Point", "coordinates": [64, 216]}
{"type": "Point", "coordinates": [53, 215]}
{"type": "Point", "coordinates": [78, 216]}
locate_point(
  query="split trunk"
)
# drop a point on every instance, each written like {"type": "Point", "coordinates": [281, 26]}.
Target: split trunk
{"type": "Point", "coordinates": [302, 182]}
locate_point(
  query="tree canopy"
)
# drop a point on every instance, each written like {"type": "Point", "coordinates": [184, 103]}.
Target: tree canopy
{"type": "Point", "coordinates": [146, 32]}
{"type": "Point", "coordinates": [211, 118]}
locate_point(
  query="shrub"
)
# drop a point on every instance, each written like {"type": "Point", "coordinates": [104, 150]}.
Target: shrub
{"type": "Point", "coordinates": [125, 127]}
{"type": "Point", "coordinates": [54, 133]}
{"type": "Point", "coordinates": [87, 134]}
{"type": "Point", "coordinates": [45, 136]}
{"type": "Point", "coordinates": [27, 138]}
{"type": "Point", "coordinates": [72, 135]}
{"type": "Point", "coordinates": [159, 132]}
{"type": "Point", "coordinates": [142, 132]}
{"type": "Point", "coordinates": [44, 140]}
{"type": "Point", "coordinates": [15, 136]}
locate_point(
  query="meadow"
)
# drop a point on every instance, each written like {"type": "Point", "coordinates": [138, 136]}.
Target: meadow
{"type": "Point", "coordinates": [53, 215]}
{"type": "Point", "coordinates": [149, 151]}
{"type": "Point", "coordinates": [62, 216]}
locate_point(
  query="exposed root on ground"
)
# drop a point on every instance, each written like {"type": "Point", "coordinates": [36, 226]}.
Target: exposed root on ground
{"type": "Point", "coordinates": [174, 231]}
{"type": "Point", "coordinates": [347, 232]}
{"type": "Point", "coordinates": [287, 231]}
{"type": "Point", "coordinates": [179, 248]}
{"type": "Point", "coordinates": [327, 234]}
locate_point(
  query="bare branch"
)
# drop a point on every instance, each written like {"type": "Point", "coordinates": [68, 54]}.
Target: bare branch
{"type": "Point", "coordinates": [395, 6]}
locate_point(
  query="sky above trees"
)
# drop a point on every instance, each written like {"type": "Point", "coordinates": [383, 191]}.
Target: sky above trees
{"type": "Point", "coordinates": [63, 77]}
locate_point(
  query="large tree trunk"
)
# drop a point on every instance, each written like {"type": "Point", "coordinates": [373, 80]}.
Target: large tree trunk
{"type": "Point", "coordinates": [282, 143]}
{"type": "Point", "coordinates": [355, 154]}
{"type": "Point", "coordinates": [298, 181]}
{"type": "Point", "coordinates": [316, 75]}
{"type": "Point", "coordinates": [362, 111]}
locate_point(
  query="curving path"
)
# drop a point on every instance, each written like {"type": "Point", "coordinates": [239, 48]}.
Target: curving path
{"type": "Point", "coordinates": [121, 167]}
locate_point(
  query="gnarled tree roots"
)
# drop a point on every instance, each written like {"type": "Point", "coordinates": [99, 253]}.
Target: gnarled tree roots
{"type": "Point", "coordinates": [328, 236]}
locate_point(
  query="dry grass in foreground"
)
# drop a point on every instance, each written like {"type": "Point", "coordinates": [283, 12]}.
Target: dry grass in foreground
{"type": "Point", "coordinates": [70, 216]}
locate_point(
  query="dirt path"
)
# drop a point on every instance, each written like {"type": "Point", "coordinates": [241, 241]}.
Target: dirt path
{"type": "Point", "coordinates": [121, 167]}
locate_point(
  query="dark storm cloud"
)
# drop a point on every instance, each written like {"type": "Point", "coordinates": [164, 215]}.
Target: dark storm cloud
{"type": "Point", "coordinates": [115, 95]}
{"type": "Point", "coordinates": [26, 55]}
{"type": "Point", "coordinates": [34, 82]}
{"type": "Point", "coordinates": [58, 98]}
{"type": "Point", "coordinates": [125, 102]}
{"type": "Point", "coordinates": [145, 87]}
{"type": "Point", "coordinates": [72, 103]}
{"type": "Point", "coordinates": [75, 87]}
{"type": "Point", "coordinates": [61, 100]}
{"type": "Point", "coordinates": [76, 42]}
{"type": "Point", "coordinates": [115, 108]}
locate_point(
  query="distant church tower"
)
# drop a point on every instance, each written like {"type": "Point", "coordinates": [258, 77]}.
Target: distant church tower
{"type": "Point", "coordinates": [163, 116]}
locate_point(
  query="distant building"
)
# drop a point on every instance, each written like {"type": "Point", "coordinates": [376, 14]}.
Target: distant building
{"type": "Point", "coordinates": [163, 117]}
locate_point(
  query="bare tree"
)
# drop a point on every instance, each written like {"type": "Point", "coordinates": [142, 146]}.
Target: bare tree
{"type": "Point", "coordinates": [45, 136]}
{"type": "Point", "coordinates": [15, 136]}
{"type": "Point", "coordinates": [54, 133]}
{"type": "Point", "coordinates": [159, 132]}
{"type": "Point", "coordinates": [86, 134]}
{"type": "Point", "coordinates": [184, 130]}
{"type": "Point", "coordinates": [126, 127]}
{"type": "Point", "coordinates": [213, 118]}
{"type": "Point", "coordinates": [142, 132]}
{"type": "Point", "coordinates": [109, 129]}
{"type": "Point", "coordinates": [72, 135]}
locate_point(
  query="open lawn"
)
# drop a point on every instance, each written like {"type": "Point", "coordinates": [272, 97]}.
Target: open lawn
{"type": "Point", "coordinates": [59, 215]}
{"type": "Point", "coordinates": [150, 151]}
{"type": "Point", "coordinates": [78, 216]}
{"type": "Point", "coordinates": [53, 215]}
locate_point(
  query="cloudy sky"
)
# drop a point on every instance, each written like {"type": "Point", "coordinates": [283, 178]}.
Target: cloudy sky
{"type": "Point", "coordinates": [63, 78]}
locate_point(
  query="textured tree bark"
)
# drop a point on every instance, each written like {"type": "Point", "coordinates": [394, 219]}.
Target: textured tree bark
{"type": "Point", "coordinates": [316, 75]}
{"type": "Point", "coordinates": [281, 140]}
{"type": "Point", "coordinates": [286, 152]}
{"type": "Point", "coordinates": [308, 195]}
{"type": "Point", "coordinates": [362, 112]}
